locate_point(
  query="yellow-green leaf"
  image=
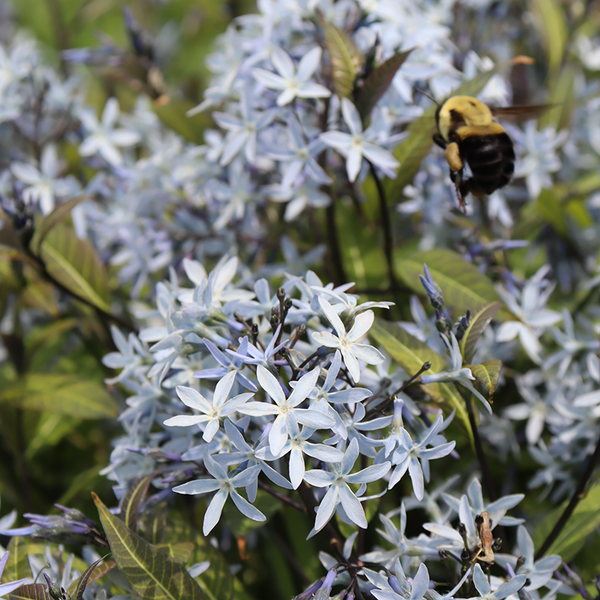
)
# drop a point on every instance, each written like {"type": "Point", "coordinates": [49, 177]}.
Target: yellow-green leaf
{"type": "Point", "coordinates": [62, 394]}
{"type": "Point", "coordinates": [153, 574]}
{"type": "Point", "coordinates": [74, 264]}
{"type": "Point", "coordinates": [411, 354]}
{"type": "Point", "coordinates": [552, 26]}
{"type": "Point", "coordinates": [34, 591]}
{"type": "Point", "coordinates": [487, 374]}
{"type": "Point", "coordinates": [180, 551]}
{"type": "Point", "coordinates": [480, 318]}
{"type": "Point", "coordinates": [17, 566]}
{"type": "Point", "coordinates": [58, 215]}
{"type": "Point", "coordinates": [463, 286]}
{"type": "Point", "coordinates": [130, 507]}
{"type": "Point", "coordinates": [584, 521]}
{"type": "Point", "coordinates": [345, 58]}
{"type": "Point", "coordinates": [562, 98]}
{"type": "Point", "coordinates": [377, 83]}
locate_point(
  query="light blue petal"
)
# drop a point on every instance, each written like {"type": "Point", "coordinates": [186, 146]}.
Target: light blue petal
{"type": "Point", "coordinates": [246, 508]}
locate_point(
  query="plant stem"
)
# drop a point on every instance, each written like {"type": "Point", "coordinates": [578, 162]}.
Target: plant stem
{"type": "Point", "coordinates": [577, 495]}
{"type": "Point", "coordinates": [386, 226]}
{"type": "Point", "coordinates": [335, 539]}
{"type": "Point", "coordinates": [485, 470]}
{"type": "Point", "coordinates": [334, 245]}
{"type": "Point", "coordinates": [282, 497]}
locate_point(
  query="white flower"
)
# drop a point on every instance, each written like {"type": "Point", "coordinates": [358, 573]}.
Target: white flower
{"type": "Point", "coordinates": [533, 317]}
{"type": "Point", "coordinates": [356, 145]}
{"type": "Point", "coordinates": [103, 138]}
{"type": "Point", "coordinates": [294, 83]}
{"type": "Point", "coordinates": [44, 184]}
{"type": "Point", "coordinates": [347, 342]}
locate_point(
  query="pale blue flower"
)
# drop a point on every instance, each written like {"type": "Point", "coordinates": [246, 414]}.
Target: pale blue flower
{"type": "Point", "coordinates": [338, 492]}
{"type": "Point", "coordinates": [457, 372]}
{"type": "Point", "coordinates": [224, 484]}
{"type": "Point", "coordinates": [293, 83]}
{"type": "Point", "coordinates": [287, 410]}
{"type": "Point", "coordinates": [103, 138]}
{"type": "Point", "coordinates": [348, 342]}
{"type": "Point", "coordinates": [242, 133]}
{"type": "Point", "coordinates": [213, 411]}
{"type": "Point", "coordinates": [508, 588]}
{"type": "Point", "coordinates": [356, 144]}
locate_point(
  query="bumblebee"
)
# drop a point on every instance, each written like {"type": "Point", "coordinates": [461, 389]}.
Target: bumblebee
{"type": "Point", "coordinates": [469, 135]}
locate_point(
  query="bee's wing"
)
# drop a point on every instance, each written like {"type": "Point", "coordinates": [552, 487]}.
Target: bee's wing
{"type": "Point", "coordinates": [520, 113]}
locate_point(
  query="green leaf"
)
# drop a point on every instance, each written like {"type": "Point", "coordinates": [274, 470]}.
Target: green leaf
{"type": "Point", "coordinates": [17, 566]}
{"type": "Point", "coordinates": [377, 83]}
{"type": "Point", "coordinates": [584, 521]}
{"type": "Point", "coordinates": [480, 319]}
{"type": "Point", "coordinates": [130, 507]}
{"type": "Point", "coordinates": [58, 215]}
{"type": "Point", "coordinates": [364, 260]}
{"type": "Point", "coordinates": [552, 211]}
{"type": "Point", "coordinates": [411, 151]}
{"type": "Point", "coordinates": [74, 264]}
{"type": "Point", "coordinates": [60, 394]}
{"type": "Point", "coordinates": [462, 285]}
{"type": "Point", "coordinates": [96, 573]}
{"type": "Point", "coordinates": [487, 374]}
{"type": "Point", "coordinates": [153, 574]}
{"type": "Point", "coordinates": [180, 551]}
{"type": "Point", "coordinates": [552, 27]}
{"type": "Point", "coordinates": [562, 98]}
{"type": "Point", "coordinates": [411, 354]}
{"type": "Point", "coordinates": [216, 582]}
{"type": "Point", "coordinates": [34, 591]}
{"type": "Point", "coordinates": [346, 60]}
{"type": "Point", "coordinates": [82, 582]}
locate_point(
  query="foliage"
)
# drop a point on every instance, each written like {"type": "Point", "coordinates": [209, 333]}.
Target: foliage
{"type": "Point", "coordinates": [180, 336]}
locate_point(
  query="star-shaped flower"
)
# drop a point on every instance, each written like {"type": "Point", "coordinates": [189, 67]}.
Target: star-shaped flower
{"type": "Point", "coordinates": [293, 82]}
{"type": "Point", "coordinates": [356, 145]}
{"type": "Point", "coordinates": [347, 341]}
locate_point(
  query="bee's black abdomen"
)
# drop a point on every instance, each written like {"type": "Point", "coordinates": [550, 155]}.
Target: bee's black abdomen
{"type": "Point", "coordinates": [491, 159]}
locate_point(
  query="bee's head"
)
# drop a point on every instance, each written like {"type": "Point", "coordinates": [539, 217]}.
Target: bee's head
{"type": "Point", "coordinates": [461, 110]}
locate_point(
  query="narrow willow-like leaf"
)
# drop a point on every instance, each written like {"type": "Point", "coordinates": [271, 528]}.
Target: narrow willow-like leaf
{"type": "Point", "coordinates": [179, 551]}
{"type": "Point", "coordinates": [61, 394]}
{"type": "Point", "coordinates": [346, 60]}
{"type": "Point", "coordinates": [584, 521]}
{"type": "Point", "coordinates": [551, 24]}
{"type": "Point", "coordinates": [463, 286]}
{"type": "Point", "coordinates": [153, 574]}
{"type": "Point", "coordinates": [74, 264]}
{"type": "Point", "coordinates": [58, 215]}
{"type": "Point", "coordinates": [410, 354]}
{"type": "Point", "coordinates": [17, 566]}
{"type": "Point", "coordinates": [487, 373]}
{"type": "Point", "coordinates": [41, 295]}
{"type": "Point", "coordinates": [411, 151]}
{"type": "Point", "coordinates": [552, 210]}
{"type": "Point", "coordinates": [480, 319]}
{"type": "Point", "coordinates": [562, 98]}
{"type": "Point", "coordinates": [82, 582]}
{"type": "Point", "coordinates": [216, 582]}
{"type": "Point", "coordinates": [98, 572]}
{"type": "Point", "coordinates": [34, 591]}
{"type": "Point", "coordinates": [377, 83]}
{"type": "Point", "coordinates": [130, 507]}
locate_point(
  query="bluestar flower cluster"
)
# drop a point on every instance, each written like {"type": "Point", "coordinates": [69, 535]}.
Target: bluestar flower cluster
{"type": "Point", "coordinates": [250, 376]}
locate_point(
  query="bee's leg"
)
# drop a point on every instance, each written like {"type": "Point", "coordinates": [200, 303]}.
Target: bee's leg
{"type": "Point", "coordinates": [453, 158]}
{"type": "Point", "coordinates": [439, 140]}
